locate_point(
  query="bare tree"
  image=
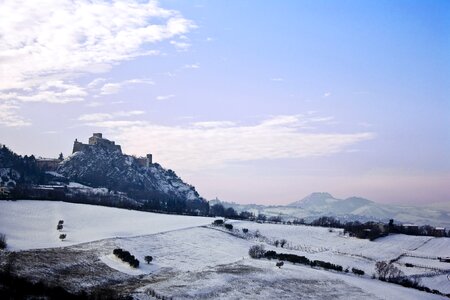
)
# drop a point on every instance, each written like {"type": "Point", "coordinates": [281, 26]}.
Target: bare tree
{"type": "Point", "coordinates": [256, 251]}
{"type": "Point", "coordinates": [387, 271]}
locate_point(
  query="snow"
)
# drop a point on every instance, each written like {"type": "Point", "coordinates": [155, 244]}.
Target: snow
{"type": "Point", "coordinates": [32, 224]}
{"type": "Point", "coordinates": [191, 260]}
{"type": "Point", "coordinates": [437, 246]}
{"type": "Point", "coordinates": [55, 174]}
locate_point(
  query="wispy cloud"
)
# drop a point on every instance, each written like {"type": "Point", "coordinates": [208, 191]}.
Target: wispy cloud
{"type": "Point", "coordinates": [326, 94]}
{"type": "Point", "coordinates": [9, 116]}
{"type": "Point", "coordinates": [192, 66]}
{"type": "Point", "coordinates": [181, 46]}
{"type": "Point", "coordinates": [279, 79]}
{"type": "Point", "coordinates": [165, 97]}
{"type": "Point", "coordinates": [96, 82]}
{"type": "Point", "coordinates": [58, 41]}
{"type": "Point", "coordinates": [99, 117]}
{"type": "Point", "coordinates": [115, 87]}
{"type": "Point", "coordinates": [216, 143]}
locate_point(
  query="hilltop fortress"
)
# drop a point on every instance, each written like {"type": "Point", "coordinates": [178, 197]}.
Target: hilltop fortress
{"type": "Point", "coordinates": [97, 139]}
{"type": "Point", "coordinates": [51, 164]}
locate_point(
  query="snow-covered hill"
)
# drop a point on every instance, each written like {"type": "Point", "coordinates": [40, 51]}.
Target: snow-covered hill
{"type": "Point", "coordinates": [106, 167]}
{"type": "Point", "coordinates": [194, 261]}
{"type": "Point", "coordinates": [32, 224]}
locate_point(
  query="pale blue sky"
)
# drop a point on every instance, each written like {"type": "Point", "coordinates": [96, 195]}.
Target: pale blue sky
{"type": "Point", "coordinates": [250, 101]}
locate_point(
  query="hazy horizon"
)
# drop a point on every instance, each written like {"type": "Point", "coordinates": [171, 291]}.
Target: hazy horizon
{"type": "Point", "coordinates": [249, 101]}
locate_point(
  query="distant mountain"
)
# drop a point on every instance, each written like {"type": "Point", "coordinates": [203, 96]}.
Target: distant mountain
{"type": "Point", "coordinates": [325, 202]}
{"type": "Point", "coordinates": [350, 209]}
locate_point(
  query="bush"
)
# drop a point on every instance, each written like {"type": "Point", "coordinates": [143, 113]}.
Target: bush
{"type": "Point", "coordinates": [279, 264]}
{"type": "Point", "coordinates": [218, 222]}
{"type": "Point", "coordinates": [229, 226]}
{"type": "Point", "coordinates": [270, 254]}
{"type": "Point", "coordinates": [59, 227]}
{"type": "Point", "coordinates": [326, 265]}
{"type": "Point", "coordinates": [62, 237]}
{"type": "Point", "coordinates": [244, 230]}
{"type": "Point", "coordinates": [256, 251]}
{"type": "Point", "coordinates": [282, 243]}
{"type": "Point", "coordinates": [126, 257]}
{"type": "Point", "coordinates": [2, 241]}
{"type": "Point", "coordinates": [357, 271]}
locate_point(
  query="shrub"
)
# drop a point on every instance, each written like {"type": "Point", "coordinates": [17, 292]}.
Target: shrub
{"type": "Point", "coordinates": [126, 257]}
{"type": "Point", "coordinates": [2, 241]}
{"type": "Point", "coordinates": [117, 251]}
{"type": "Point", "coordinates": [59, 227]}
{"type": "Point", "coordinates": [357, 271]}
{"type": "Point", "coordinates": [270, 254]}
{"type": "Point", "coordinates": [62, 236]}
{"type": "Point", "coordinates": [282, 243]}
{"type": "Point", "coordinates": [327, 265]}
{"type": "Point", "coordinates": [218, 222]}
{"type": "Point", "coordinates": [244, 230]}
{"type": "Point", "coordinates": [60, 222]}
{"type": "Point", "coordinates": [229, 226]}
{"type": "Point", "coordinates": [256, 251]}
{"type": "Point", "coordinates": [148, 259]}
{"type": "Point", "coordinates": [408, 265]}
{"type": "Point", "coordinates": [279, 264]}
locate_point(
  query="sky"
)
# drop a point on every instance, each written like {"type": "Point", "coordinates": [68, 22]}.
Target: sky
{"type": "Point", "coordinates": [250, 101]}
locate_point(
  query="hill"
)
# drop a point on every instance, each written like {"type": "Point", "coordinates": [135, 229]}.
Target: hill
{"type": "Point", "coordinates": [99, 173]}
{"type": "Point", "coordinates": [350, 209]}
{"type": "Point", "coordinates": [194, 261]}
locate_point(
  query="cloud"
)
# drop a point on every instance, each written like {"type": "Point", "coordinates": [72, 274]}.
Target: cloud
{"type": "Point", "coordinates": [96, 82]}
{"type": "Point", "coordinates": [165, 97]}
{"type": "Point", "coordinates": [213, 124]}
{"type": "Point", "coordinates": [58, 41]}
{"type": "Point", "coordinates": [115, 87]}
{"type": "Point", "coordinates": [192, 66]}
{"type": "Point", "coordinates": [277, 79]}
{"type": "Point", "coordinates": [181, 46]}
{"type": "Point", "coordinates": [9, 117]}
{"type": "Point", "coordinates": [100, 117]}
{"type": "Point", "coordinates": [327, 94]}
{"type": "Point", "coordinates": [214, 144]}
{"type": "Point", "coordinates": [94, 104]}
{"type": "Point", "coordinates": [60, 37]}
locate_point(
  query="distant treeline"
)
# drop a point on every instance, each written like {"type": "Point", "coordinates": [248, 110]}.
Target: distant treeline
{"type": "Point", "coordinates": [368, 230]}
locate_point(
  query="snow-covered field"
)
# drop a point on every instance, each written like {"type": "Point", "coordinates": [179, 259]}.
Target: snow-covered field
{"type": "Point", "coordinates": [32, 224]}
{"type": "Point", "coordinates": [193, 261]}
